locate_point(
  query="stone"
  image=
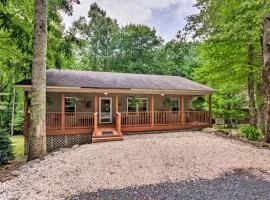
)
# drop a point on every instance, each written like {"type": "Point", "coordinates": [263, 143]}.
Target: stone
{"type": "Point", "coordinates": [209, 130]}
{"type": "Point", "coordinates": [15, 173]}
{"type": "Point", "coordinates": [33, 162]}
{"type": "Point", "coordinates": [75, 146]}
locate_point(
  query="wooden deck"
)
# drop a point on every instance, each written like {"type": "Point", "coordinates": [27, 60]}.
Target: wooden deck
{"type": "Point", "coordinates": [126, 122]}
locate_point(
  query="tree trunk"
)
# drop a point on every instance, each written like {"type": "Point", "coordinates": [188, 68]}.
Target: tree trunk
{"type": "Point", "coordinates": [266, 75]}
{"type": "Point", "coordinates": [37, 135]}
{"type": "Point", "coordinates": [251, 86]}
{"type": "Point", "coordinates": [13, 111]}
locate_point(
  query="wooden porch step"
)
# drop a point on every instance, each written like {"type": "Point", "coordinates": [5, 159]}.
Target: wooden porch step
{"type": "Point", "coordinates": [106, 139]}
{"type": "Point", "coordinates": [106, 125]}
{"type": "Point", "coordinates": [103, 135]}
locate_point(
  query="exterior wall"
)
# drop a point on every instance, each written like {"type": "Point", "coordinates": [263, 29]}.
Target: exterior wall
{"type": "Point", "coordinates": [55, 98]}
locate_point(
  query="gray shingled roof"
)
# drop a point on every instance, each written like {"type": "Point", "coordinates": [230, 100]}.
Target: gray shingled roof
{"type": "Point", "coordinates": [91, 79]}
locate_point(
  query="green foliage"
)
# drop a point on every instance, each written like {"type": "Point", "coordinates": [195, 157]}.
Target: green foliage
{"type": "Point", "coordinates": [134, 101]}
{"type": "Point", "coordinates": [199, 103]}
{"type": "Point", "coordinates": [16, 41]}
{"type": "Point", "coordinates": [6, 149]}
{"type": "Point", "coordinates": [18, 145]}
{"type": "Point", "coordinates": [228, 103]}
{"type": "Point", "coordinates": [167, 103]}
{"type": "Point", "coordinates": [249, 132]}
{"type": "Point", "coordinates": [229, 51]}
{"type": "Point", "coordinates": [105, 46]}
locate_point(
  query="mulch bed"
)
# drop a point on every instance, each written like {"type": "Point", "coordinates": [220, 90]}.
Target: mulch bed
{"type": "Point", "coordinates": [5, 170]}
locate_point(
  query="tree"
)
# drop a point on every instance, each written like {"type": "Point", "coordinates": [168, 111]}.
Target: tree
{"type": "Point", "coordinates": [231, 30]}
{"type": "Point", "coordinates": [37, 134]}
{"type": "Point", "coordinates": [266, 75]}
{"type": "Point", "coordinates": [6, 150]}
{"type": "Point", "coordinates": [228, 103]}
{"type": "Point", "coordinates": [183, 54]}
{"type": "Point", "coordinates": [96, 35]}
{"type": "Point", "coordinates": [16, 43]}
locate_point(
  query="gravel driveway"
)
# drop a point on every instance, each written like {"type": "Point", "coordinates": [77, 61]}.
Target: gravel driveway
{"type": "Point", "coordinates": [170, 161]}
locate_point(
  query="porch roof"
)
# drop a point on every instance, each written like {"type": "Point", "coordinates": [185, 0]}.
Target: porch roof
{"type": "Point", "coordinates": [122, 81]}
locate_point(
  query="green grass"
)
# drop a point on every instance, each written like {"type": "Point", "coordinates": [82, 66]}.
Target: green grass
{"type": "Point", "coordinates": [226, 128]}
{"type": "Point", "coordinates": [18, 145]}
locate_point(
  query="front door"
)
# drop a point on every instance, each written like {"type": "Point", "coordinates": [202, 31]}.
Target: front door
{"type": "Point", "coordinates": [105, 110]}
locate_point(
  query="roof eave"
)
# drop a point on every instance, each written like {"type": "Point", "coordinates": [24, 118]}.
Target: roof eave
{"type": "Point", "coordinates": [119, 90]}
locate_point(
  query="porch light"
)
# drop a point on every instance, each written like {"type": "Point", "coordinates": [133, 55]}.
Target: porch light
{"type": "Point", "coordinates": [162, 95]}
{"type": "Point", "coordinates": [105, 93]}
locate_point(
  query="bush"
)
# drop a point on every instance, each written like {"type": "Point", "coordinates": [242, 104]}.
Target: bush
{"type": "Point", "coordinates": [250, 132]}
{"type": "Point", "coordinates": [6, 149]}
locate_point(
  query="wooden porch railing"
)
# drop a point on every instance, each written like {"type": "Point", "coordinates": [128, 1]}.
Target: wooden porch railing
{"type": "Point", "coordinates": [79, 120]}
{"type": "Point", "coordinates": [72, 120]}
{"type": "Point", "coordinates": [82, 120]}
{"type": "Point", "coordinates": [53, 120]}
{"type": "Point", "coordinates": [167, 117]}
{"type": "Point", "coordinates": [197, 117]}
{"type": "Point", "coordinates": [135, 118]}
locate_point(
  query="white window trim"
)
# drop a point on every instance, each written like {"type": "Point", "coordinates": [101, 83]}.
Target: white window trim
{"type": "Point", "coordinates": [137, 107]}
{"type": "Point", "coordinates": [75, 103]}
{"type": "Point", "coordinates": [176, 99]}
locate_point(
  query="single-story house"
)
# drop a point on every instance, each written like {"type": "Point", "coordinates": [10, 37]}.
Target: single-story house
{"type": "Point", "coordinates": [87, 106]}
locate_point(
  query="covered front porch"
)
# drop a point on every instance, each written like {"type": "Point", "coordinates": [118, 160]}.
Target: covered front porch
{"type": "Point", "coordinates": [105, 117]}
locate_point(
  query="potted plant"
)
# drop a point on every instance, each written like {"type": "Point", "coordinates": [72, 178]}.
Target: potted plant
{"type": "Point", "coordinates": [167, 103]}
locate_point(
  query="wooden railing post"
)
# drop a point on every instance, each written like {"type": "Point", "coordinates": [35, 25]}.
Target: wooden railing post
{"type": "Point", "coordinates": [182, 111]}
{"type": "Point", "coordinates": [118, 122]}
{"type": "Point", "coordinates": [152, 111]}
{"type": "Point", "coordinates": [95, 123]}
{"type": "Point", "coordinates": [63, 112]}
{"type": "Point", "coordinates": [210, 110]}
{"type": "Point", "coordinates": [26, 118]}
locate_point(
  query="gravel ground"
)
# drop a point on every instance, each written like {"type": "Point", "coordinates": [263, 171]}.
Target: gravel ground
{"type": "Point", "coordinates": [238, 186]}
{"type": "Point", "coordinates": [137, 161]}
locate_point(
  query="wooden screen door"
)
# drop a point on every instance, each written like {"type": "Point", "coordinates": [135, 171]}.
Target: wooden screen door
{"type": "Point", "coordinates": [105, 110]}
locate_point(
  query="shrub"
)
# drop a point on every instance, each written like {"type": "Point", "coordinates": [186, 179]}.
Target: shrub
{"type": "Point", "coordinates": [6, 149]}
{"type": "Point", "coordinates": [250, 132]}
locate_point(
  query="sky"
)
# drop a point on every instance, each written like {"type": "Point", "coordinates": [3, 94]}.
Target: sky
{"type": "Point", "coordinates": [166, 16]}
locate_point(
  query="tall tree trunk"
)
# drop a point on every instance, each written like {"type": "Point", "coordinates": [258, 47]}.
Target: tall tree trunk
{"type": "Point", "coordinates": [37, 135]}
{"type": "Point", "coordinates": [251, 86]}
{"type": "Point", "coordinates": [13, 111]}
{"type": "Point", "coordinates": [260, 104]}
{"type": "Point", "coordinates": [266, 75]}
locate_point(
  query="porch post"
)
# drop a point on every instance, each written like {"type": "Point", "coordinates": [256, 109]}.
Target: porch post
{"type": "Point", "coordinates": [95, 123]}
{"type": "Point", "coordinates": [96, 104]}
{"type": "Point", "coordinates": [152, 111]}
{"type": "Point", "coordinates": [26, 119]}
{"type": "Point", "coordinates": [182, 110]}
{"type": "Point", "coordinates": [116, 104]}
{"type": "Point", "coordinates": [63, 112]}
{"type": "Point", "coordinates": [210, 110]}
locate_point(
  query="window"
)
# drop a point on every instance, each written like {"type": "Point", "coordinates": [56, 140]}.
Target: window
{"type": "Point", "coordinates": [175, 105]}
{"type": "Point", "coordinates": [137, 104]}
{"type": "Point", "coordinates": [70, 104]}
